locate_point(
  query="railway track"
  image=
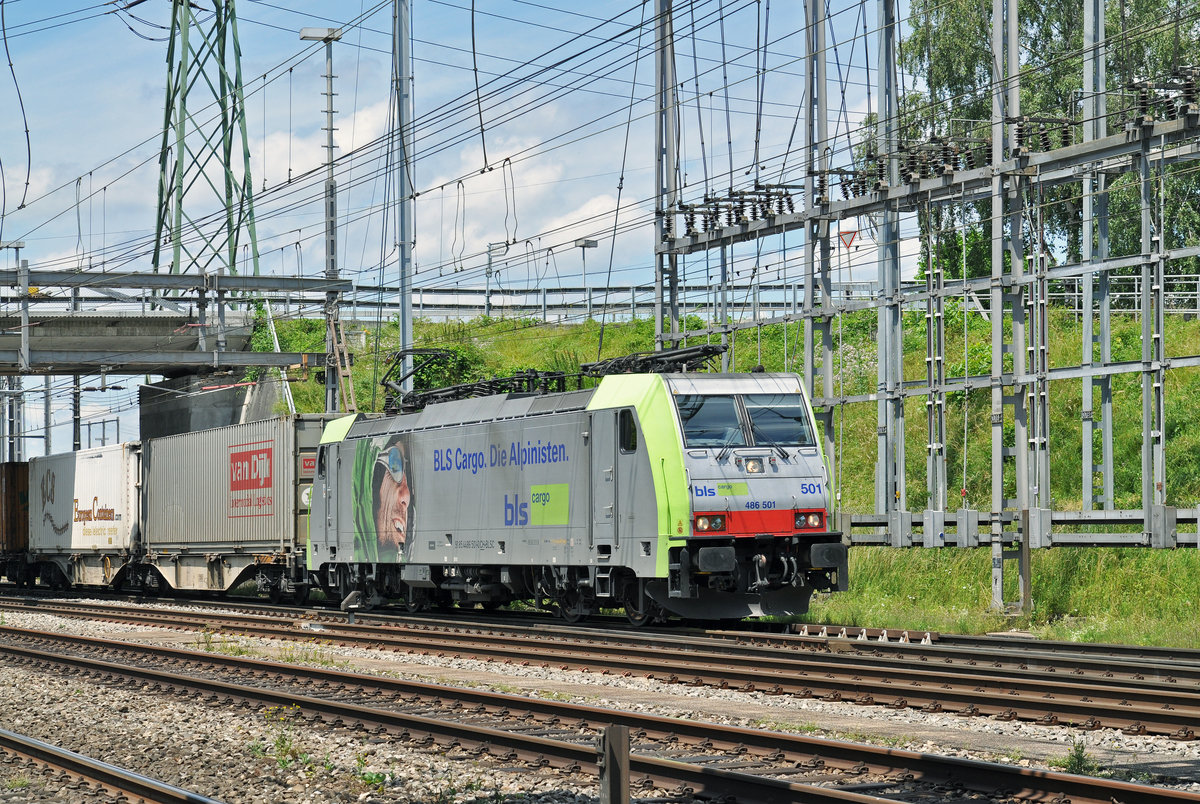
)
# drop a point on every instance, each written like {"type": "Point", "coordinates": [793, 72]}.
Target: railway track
{"type": "Point", "coordinates": [1082, 692]}
{"type": "Point", "coordinates": [80, 773]}
{"type": "Point", "coordinates": [679, 756]}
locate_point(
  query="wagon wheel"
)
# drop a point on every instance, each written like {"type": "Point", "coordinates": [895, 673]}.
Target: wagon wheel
{"type": "Point", "coordinates": [572, 609]}
{"type": "Point", "coordinates": [149, 584]}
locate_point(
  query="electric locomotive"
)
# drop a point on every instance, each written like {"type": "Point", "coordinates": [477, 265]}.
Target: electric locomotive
{"type": "Point", "coordinates": [703, 496]}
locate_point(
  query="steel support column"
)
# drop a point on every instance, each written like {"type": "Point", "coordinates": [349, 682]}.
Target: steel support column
{"type": "Point", "coordinates": [1153, 375]}
{"type": "Point", "coordinates": [817, 255]}
{"type": "Point", "coordinates": [996, 305]}
{"type": "Point", "coordinates": [1094, 242]}
{"type": "Point", "coordinates": [666, 185]}
{"type": "Point", "coordinates": [889, 466]}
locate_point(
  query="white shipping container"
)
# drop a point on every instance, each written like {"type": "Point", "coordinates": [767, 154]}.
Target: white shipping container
{"type": "Point", "coordinates": [84, 501]}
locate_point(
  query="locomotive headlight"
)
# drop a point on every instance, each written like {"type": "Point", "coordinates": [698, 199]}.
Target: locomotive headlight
{"type": "Point", "coordinates": [754, 466]}
{"type": "Point", "coordinates": [710, 523]}
{"type": "Point", "coordinates": [812, 520]}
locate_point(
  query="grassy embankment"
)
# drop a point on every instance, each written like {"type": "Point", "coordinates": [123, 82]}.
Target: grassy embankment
{"type": "Point", "coordinates": [1137, 596]}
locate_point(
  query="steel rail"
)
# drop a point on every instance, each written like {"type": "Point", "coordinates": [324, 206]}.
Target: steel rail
{"type": "Point", "coordinates": [970, 774]}
{"type": "Point", "coordinates": [1039, 696]}
{"type": "Point", "coordinates": [111, 777]}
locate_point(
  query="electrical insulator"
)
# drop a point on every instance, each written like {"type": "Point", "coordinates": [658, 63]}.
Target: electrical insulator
{"type": "Point", "coordinates": [1065, 134]}
{"type": "Point", "coordinates": [844, 186]}
{"type": "Point", "coordinates": [1020, 136]}
{"type": "Point", "coordinates": [822, 187]}
{"type": "Point", "coordinates": [791, 207]}
{"type": "Point", "coordinates": [1143, 104]}
{"type": "Point", "coordinates": [1190, 94]}
{"type": "Point", "coordinates": [969, 158]}
{"type": "Point", "coordinates": [779, 204]}
{"type": "Point", "coordinates": [689, 220]}
{"type": "Point", "coordinates": [948, 159]}
{"type": "Point", "coordinates": [1044, 137]}
{"type": "Point", "coordinates": [729, 215]}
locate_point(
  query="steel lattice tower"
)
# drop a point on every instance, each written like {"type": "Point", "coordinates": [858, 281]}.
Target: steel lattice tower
{"type": "Point", "coordinates": [205, 198]}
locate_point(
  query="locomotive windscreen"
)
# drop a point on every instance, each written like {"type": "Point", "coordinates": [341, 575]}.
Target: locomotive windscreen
{"type": "Point", "coordinates": [710, 421]}
{"type": "Point", "coordinates": [779, 419]}
{"type": "Point", "coordinates": [738, 420]}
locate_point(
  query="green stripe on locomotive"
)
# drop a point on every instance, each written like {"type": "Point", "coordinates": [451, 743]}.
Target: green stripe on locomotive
{"type": "Point", "coordinates": [648, 395]}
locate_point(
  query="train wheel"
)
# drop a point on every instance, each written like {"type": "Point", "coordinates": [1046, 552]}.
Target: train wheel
{"type": "Point", "coordinates": [149, 584]}
{"type": "Point", "coordinates": [639, 616]}
{"type": "Point", "coordinates": [300, 595]}
{"type": "Point", "coordinates": [640, 609]}
{"type": "Point", "coordinates": [572, 609]}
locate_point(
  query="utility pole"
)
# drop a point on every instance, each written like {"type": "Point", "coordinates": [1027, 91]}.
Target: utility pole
{"type": "Point", "coordinates": [332, 357]}
{"type": "Point", "coordinates": [402, 78]}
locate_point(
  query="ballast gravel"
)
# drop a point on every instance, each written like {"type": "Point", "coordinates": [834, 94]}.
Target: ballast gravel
{"type": "Point", "coordinates": [245, 757]}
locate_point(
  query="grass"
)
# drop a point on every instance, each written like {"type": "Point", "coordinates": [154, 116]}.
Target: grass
{"type": "Point", "coordinates": [1127, 596]}
{"type": "Point", "coordinates": [312, 653]}
{"type": "Point", "coordinates": [208, 642]}
{"type": "Point", "coordinates": [1109, 595]}
{"type": "Point", "coordinates": [1077, 761]}
{"type": "Point", "coordinates": [281, 743]}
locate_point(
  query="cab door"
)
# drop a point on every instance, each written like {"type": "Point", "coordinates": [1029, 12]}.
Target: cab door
{"type": "Point", "coordinates": [602, 485]}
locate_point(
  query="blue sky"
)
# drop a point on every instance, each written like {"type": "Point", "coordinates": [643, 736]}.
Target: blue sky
{"type": "Point", "coordinates": [566, 97]}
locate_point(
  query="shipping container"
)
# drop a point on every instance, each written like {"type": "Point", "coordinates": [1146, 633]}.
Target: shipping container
{"type": "Point", "coordinates": [84, 515]}
{"type": "Point", "coordinates": [230, 504]}
{"type": "Point", "coordinates": [14, 507]}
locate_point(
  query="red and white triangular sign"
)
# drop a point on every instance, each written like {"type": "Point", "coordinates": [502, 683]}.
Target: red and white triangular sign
{"type": "Point", "coordinates": [847, 237]}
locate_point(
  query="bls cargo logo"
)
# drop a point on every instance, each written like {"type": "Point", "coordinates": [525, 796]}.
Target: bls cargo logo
{"type": "Point", "coordinates": [548, 505]}
{"type": "Point", "coordinates": [515, 511]}
{"type": "Point", "coordinates": [250, 479]}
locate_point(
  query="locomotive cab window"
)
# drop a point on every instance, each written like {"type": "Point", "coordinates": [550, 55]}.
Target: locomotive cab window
{"type": "Point", "coordinates": [720, 422]}
{"type": "Point", "coordinates": [628, 431]}
{"type": "Point", "coordinates": [779, 419]}
{"type": "Point", "coordinates": [710, 421]}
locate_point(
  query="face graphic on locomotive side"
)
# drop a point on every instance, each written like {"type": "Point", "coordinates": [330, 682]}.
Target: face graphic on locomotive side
{"type": "Point", "coordinates": [383, 499]}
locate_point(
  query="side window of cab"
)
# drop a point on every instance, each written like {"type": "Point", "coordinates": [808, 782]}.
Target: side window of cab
{"type": "Point", "coordinates": [627, 429]}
